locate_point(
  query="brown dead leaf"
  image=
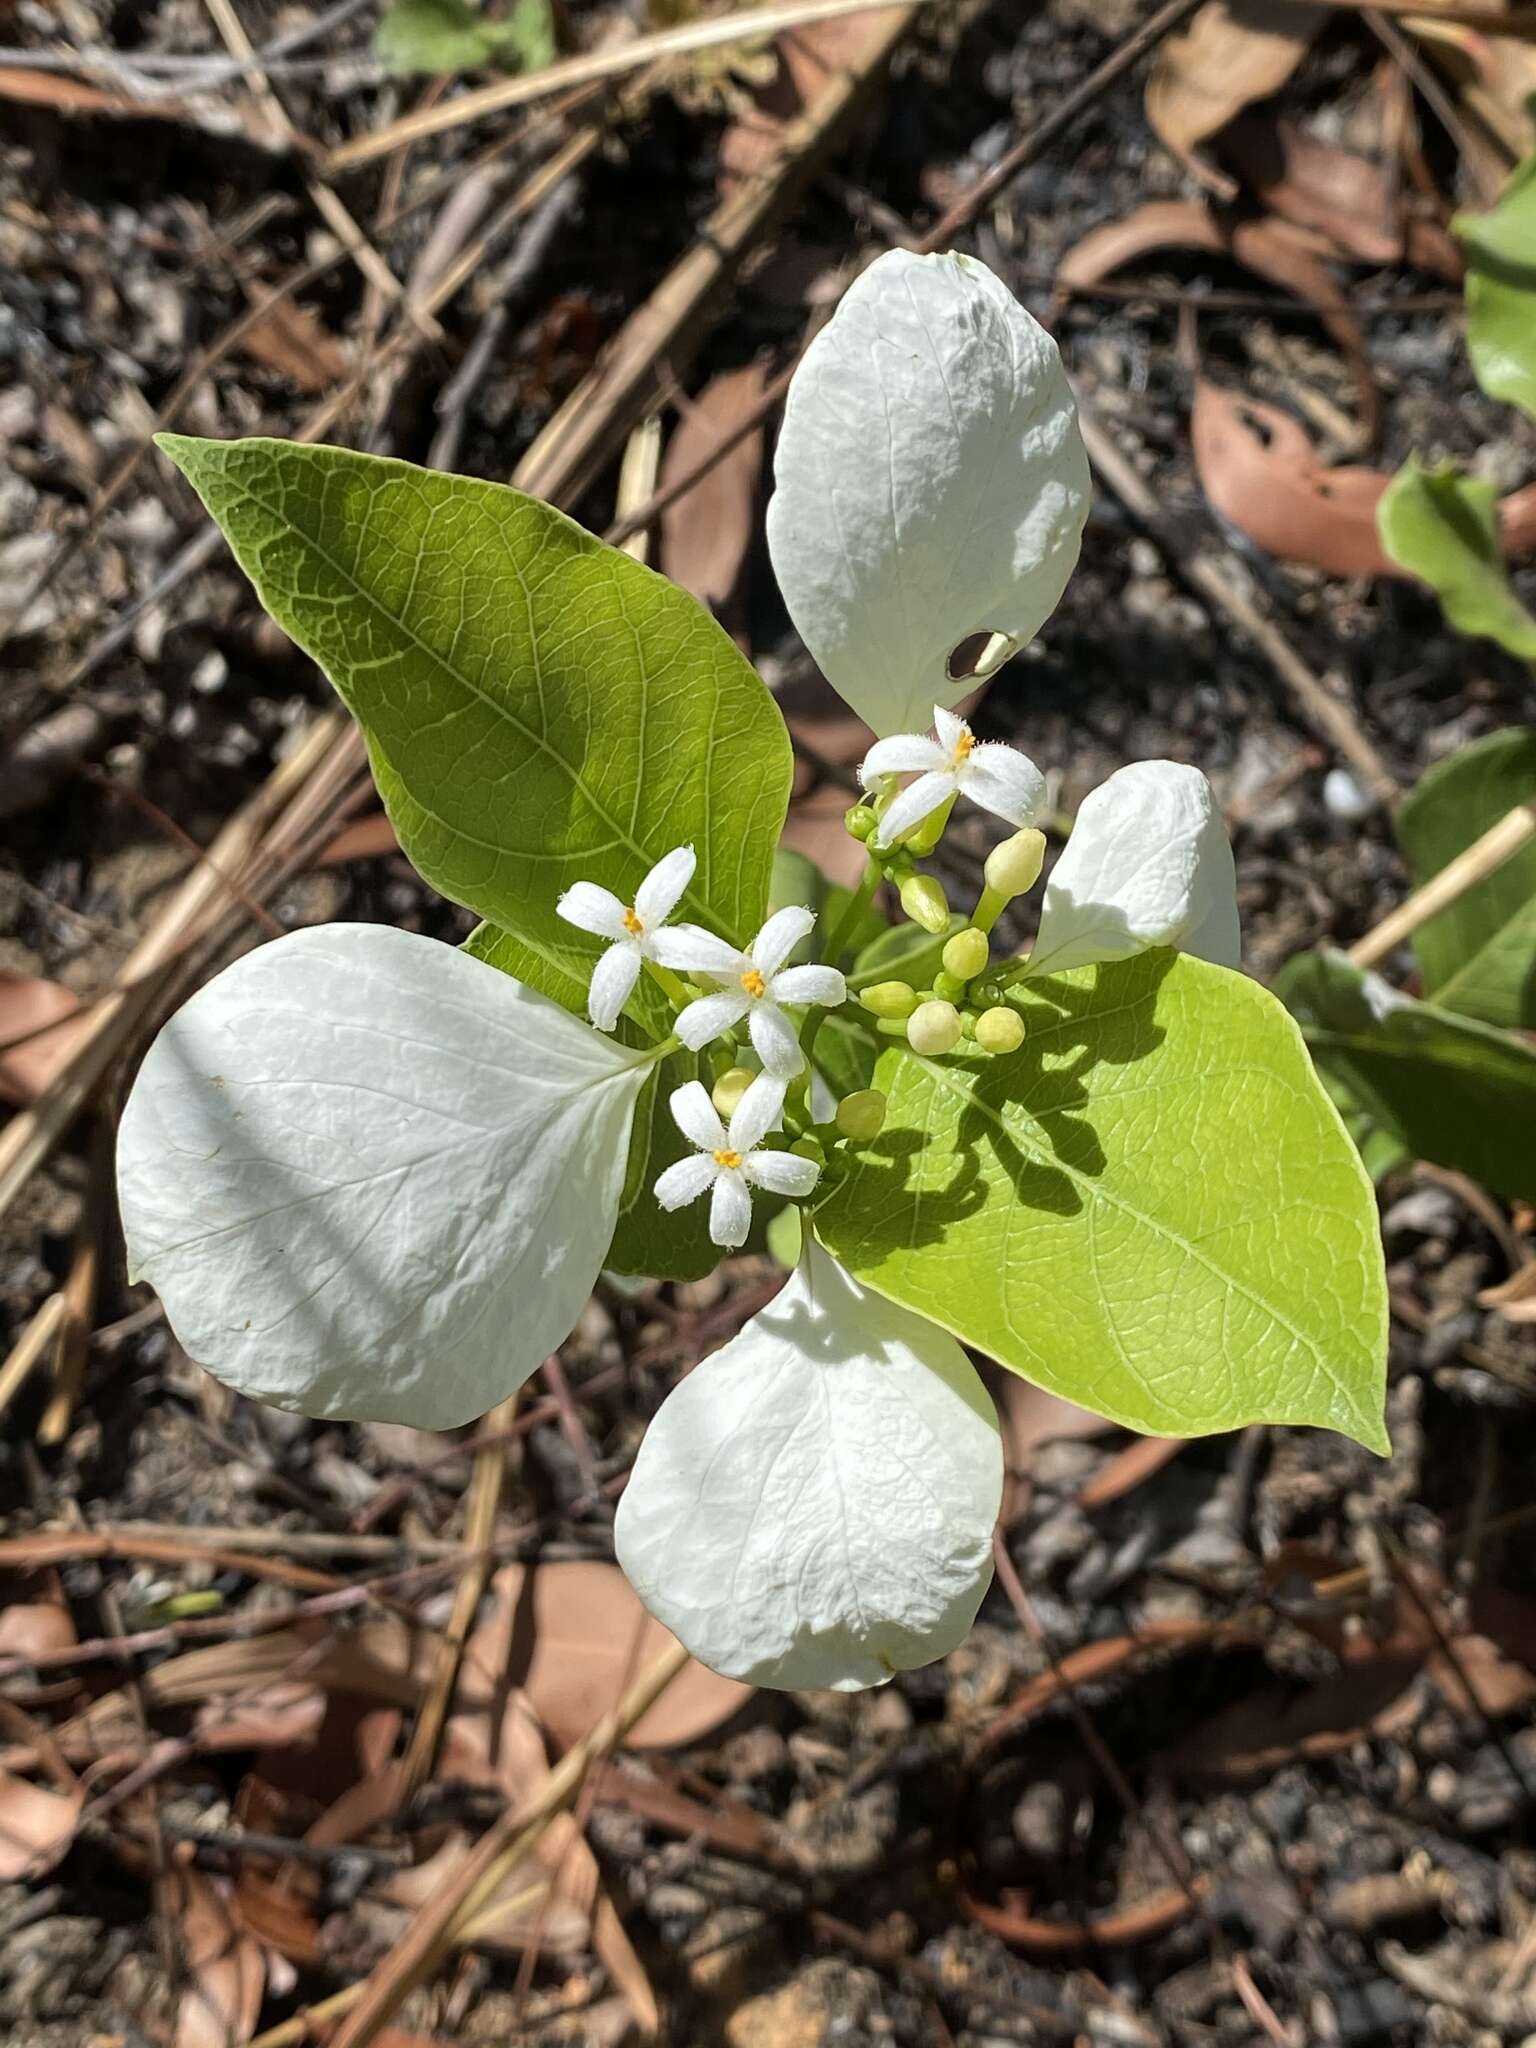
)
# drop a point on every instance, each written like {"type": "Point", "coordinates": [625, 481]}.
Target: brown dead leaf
{"type": "Point", "coordinates": [705, 536]}
{"type": "Point", "coordinates": [1233, 53]}
{"type": "Point", "coordinates": [1357, 204]}
{"type": "Point", "coordinates": [1514, 1298]}
{"type": "Point", "coordinates": [804, 60]}
{"type": "Point", "coordinates": [1133, 1467]}
{"type": "Point", "coordinates": [294, 341]}
{"type": "Point", "coordinates": [37, 1826]}
{"type": "Point", "coordinates": [1286, 256]}
{"type": "Point", "coordinates": [35, 1627]}
{"type": "Point", "coordinates": [367, 838]}
{"type": "Point", "coordinates": [1259, 470]}
{"type": "Point", "coordinates": [39, 1014]}
{"type": "Point", "coordinates": [221, 2004]}
{"type": "Point", "coordinates": [72, 96]}
{"type": "Point", "coordinates": [568, 1635]}
{"type": "Point", "coordinates": [1497, 76]}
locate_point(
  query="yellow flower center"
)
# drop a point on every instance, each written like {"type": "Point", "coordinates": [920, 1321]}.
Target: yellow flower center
{"type": "Point", "coordinates": [963, 746]}
{"type": "Point", "coordinates": [753, 982]}
{"type": "Point", "coordinates": [632, 924]}
{"type": "Point", "coordinates": [727, 1158]}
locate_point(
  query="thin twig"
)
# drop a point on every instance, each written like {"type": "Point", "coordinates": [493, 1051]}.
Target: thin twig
{"type": "Point", "coordinates": [1482, 858]}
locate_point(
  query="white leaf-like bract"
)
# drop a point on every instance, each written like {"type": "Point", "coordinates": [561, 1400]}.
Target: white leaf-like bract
{"type": "Point", "coordinates": [372, 1177]}
{"type": "Point", "coordinates": [931, 485]}
{"type": "Point", "coordinates": [1148, 864]}
{"type": "Point", "coordinates": [813, 1506]}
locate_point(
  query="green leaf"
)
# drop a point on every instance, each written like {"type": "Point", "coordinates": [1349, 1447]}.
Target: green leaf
{"type": "Point", "coordinates": [1151, 1208]}
{"type": "Point", "coordinates": [1478, 955]}
{"type": "Point", "coordinates": [540, 709]}
{"type": "Point", "coordinates": [1442, 526]}
{"type": "Point", "coordinates": [1501, 290]}
{"type": "Point", "coordinates": [646, 1240]}
{"type": "Point", "coordinates": [434, 37]}
{"type": "Point", "coordinates": [1453, 1091]}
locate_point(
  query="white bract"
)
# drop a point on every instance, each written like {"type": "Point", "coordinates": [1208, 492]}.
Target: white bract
{"type": "Point", "coordinates": [1000, 779]}
{"type": "Point", "coordinates": [813, 1505]}
{"type": "Point", "coordinates": [372, 1177]}
{"type": "Point", "coordinates": [1148, 864]}
{"type": "Point", "coordinates": [727, 1164]}
{"type": "Point", "coordinates": [631, 926]}
{"type": "Point", "coordinates": [754, 985]}
{"type": "Point", "coordinates": [931, 486]}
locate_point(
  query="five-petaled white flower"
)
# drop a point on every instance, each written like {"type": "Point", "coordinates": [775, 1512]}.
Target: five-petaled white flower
{"type": "Point", "coordinates": [632, 928]}
{"type": "Point", "coordinates": [754, 984]}
{"type": "Point", "coordinates": [999, 778]}
{"type": "Point", "coordinates": [727, 1161]}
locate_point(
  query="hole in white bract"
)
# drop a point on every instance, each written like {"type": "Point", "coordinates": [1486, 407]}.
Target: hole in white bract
{"type": "Point", "coordinates": [979, 655]}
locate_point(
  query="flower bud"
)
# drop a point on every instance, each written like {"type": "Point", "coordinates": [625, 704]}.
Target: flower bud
{"type": "Point", "coordinates": [860, 820]}
{"type": "Point", "coordinates": [860, 1116]}
{"type": "Point", "coordinates": [924, 901]}
{"type": "Point", "coordinates": [1000, 1030]}
{"type": "Point", "coordinates": [925, 835]}
{"type": "Point", "coordinates": [730, 1088]}
{"type": "Point", "coordinates": [934, 1028]}
{"type": "Point", "coordinates": [950, 987]}
{"type": "Point", "coordinates": [966, 953]}
{"type": "Point", "coordinates": [1015, 865]}
{"type": "Point", "coordinates": [895, 999]}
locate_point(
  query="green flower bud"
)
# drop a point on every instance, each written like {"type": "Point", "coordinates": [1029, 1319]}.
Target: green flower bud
{"type": "Point", "coordinates": [860, 820]}
{"type": "Point", "coordinates": [889, 999]}
{"type": "Point", "coordinates": [949, 987]}
{"type": "Point", "coordinates": [967, 953]}
{"type": "Point", "coordinates": [925, 835]}
{"type": "Point", "coordinates": [934, 1028]}
{"type": "Point", "coordinates": [860, 1116]}
{"type": "Point", "coordinates": [1015, 866]}
{"type": "Point", "coordinates": [967, 1025]}
{"type": "Point", "coordinates": [809, 1148]}
{"type": "Point", "coordinates": [730, 1088]}
{"type": "Point", "coordinates": [1000, 1030]}
{"type": "Point", "coordinates": [924, 901]}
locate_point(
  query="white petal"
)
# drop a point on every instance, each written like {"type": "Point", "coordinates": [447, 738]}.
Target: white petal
{"type": "Point", "coordinates": [917, 801]}
{"type": "Point", "coordinates": [782, 1173]}
{"type": "Point", "coordinates": [1147, 864]}
{"type": "Point", "coordinates": [1004, 782]}
{"type": "Point", "coordinates": [774, 1040]}
{"type": "Point", "coordinates": [948, 729]}
{"type": "Point", "coordinates": [931, 483]}
{"type": "Point", "coordinates": [757, 1113]}
{"type": "Point", "coordinates": [372, 1177]}
{"type": "Point", "coordinates": [696, 1116]}
{"type": "Point", "coordinates": [706, 1018]}
{"type": "Point", "coordinates": [685, 1181]}
{"type": "Point", "coordinates": [780, 936]}
{"type": "Point", "coordinates": [809, 985]}
{"type": "Point", "coordinates": [813, 1506]}
{"type": "Point", "coordinates": [906, 753]}
{"type": "Point", "coordinates": [594, 910]}
{"type": "Point", "coordinates": [613, 981]}
{"type": "Point", "coordinates": [692, 950]}
{"type": "Point", "coordinates": [662, 890]}
{"type": "Point", "coordinates": [730, 1209]}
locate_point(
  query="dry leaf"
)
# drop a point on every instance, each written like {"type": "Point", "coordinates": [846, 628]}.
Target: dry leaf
{"type": "Point", "coordinates": [705, 536]}
{"type": "Point", "coordinates": [63, 95]}
{"type": "Point", "coordinates": [27, 1006]}
{"type": "Point", "coordinates": [220, 2006]}
{"type": "Point", "coordinates": [367, 838]}
{"type": "Point", "coordinates": [37, 1827]}
{"type": "Point", "coordinates": [295, 342]}
{"type": "Point", "coordinates": [34, 1628]}
{"type": "Point", "coordinates": [1232, 53]}
{"type": "Point", "coordinates": [1514, 1298]}
{"type": "Point", "coordinates": [803, 59]}
{"type": "Point", "coordinates": [1286, 256]}
{"type": "Point", "coordinates": [1130, 1468]}
{"type": "Point", "coordinates": [572, 1636]}
{"type": "Point", "coordinates": [1357, 204]}
{"type": "Point", "coordinates": [1497, 76]}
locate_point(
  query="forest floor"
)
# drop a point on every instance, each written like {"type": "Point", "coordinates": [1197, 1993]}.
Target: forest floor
{"type": "Point", "coordinates": [1244, 1751]}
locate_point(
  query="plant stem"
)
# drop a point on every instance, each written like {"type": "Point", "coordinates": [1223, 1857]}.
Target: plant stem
{"type": "Point", "coordinates": [674, 985]}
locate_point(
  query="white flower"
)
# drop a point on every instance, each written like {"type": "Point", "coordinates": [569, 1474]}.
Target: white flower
{"type": "Point", "coordinates": [1148, 864]}
{"type": "Point", "coordinates": [754, 985]}
{"type": "Point", "coordinates": [931, 486]}
{"type": "Point", "coordinates": [372, 1177]}
{"type": "Point", "coordinates": [814, 1504]}
{"type": "Point", "coordinates": [632, 928]}
{"type": "Point", "coordinates": [999, 778]}
{"type": "Point", "coordinates": [727, 1162]}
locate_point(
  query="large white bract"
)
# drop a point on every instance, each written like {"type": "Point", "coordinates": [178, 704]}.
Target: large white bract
{"type": "Point", "coordinates": [374, 1178]}
{"type": "Point", "coordinates": [814, 1505]}
{"type": "Point", "coordinates": [931, 486]}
